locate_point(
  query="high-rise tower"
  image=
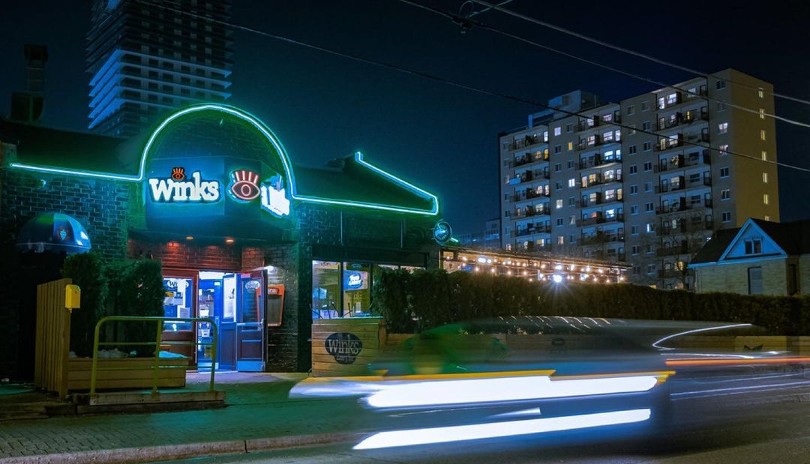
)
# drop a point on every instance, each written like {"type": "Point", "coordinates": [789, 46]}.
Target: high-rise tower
{"type": "Point", "coordinates": [148, 57]}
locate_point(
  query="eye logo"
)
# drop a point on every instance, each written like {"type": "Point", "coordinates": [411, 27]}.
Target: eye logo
{"type": "Point", "coordinates": [178, 174]}
{"type": "Point", "coordinates": [245, 185]}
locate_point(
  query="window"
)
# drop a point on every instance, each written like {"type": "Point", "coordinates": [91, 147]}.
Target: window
{"type": "Point", "coordinates": [760, 93]}
{"type": "Point", "coordinates": [557, 131]}
{"type": "Point", "coordinates": [633, 169]}
{"type": "Point", "coordinates": [755, 280]}
{"type": "Point", "coordinates": [635, 249]}
{"type": "Point", "coordinates": [764, 155]}
{"type": "Point", "coordinates": [561, 240]}
{"type": "Point", "coordinates": [631, 149]}
{"type": "Point", "coordinates": [722, 128]}
{"type": "Point", "coordinates": [721, 106]}
{"type": "Point", "coordinates": [725, 194]}
{"type": "Point", "coordinates": [764, 177]}
{"type": "Point", "coordinates": [572, 220]}
{"type": "Point", "coordinates": [762, 135]}
{"type": "Point", "coordinates": [649, 228]}
{"type": "Point", "coordinates": [559, 204]}
{"type": "Point", "coordinates": [648, 186]}
{"type": "Point", "coordinates": [723, 150]}
{"type": "Point", "coordinates": [648, 166]}
{"type": "Point", "coordinates": [649, 207]}
{"type": "Point", "coordinates": [633, 209]}
{"type": "Point", "coordinates": [753, 246]}
{"type": "Point", "coordinates": [761, 113]}
{"type": "Point", "coordinates": [726, 217]}
{"type": "Point", "coordinates": [646, 126]}
{"type": "Point", "coordinates": [720, 84]}
{"type": "Point", "coordinates": [572, 201]}
{"type": "Point", "coordinates": [572, 182]}
{"type": "Point", "coordinates": [634, 230]}
{"type": "Point", "coordinates": [630, 109]}
{"type": "Point", "coordinates": [560, 221]}
{"type": "Point", "coordinates": [570, 146]}
{"type": "Point", "coordinates": [647, 146]}
{"type": "Point", "coordinates": [634, 190]}
{"type": "Point", "coordinates": [724, 172]}
{"type": "Point", "coordinates": [557, 148]}
{"type": "Point", "coordinates": [569, 127]}
{"type": "Point", "coordinates": [557, 167]}
{"type": "Point", "coordinates": [651, 269]}
{"type": "Point", "coordinates": [765, 199]}
{"type": "Point", "coordinates": [570, 164]}
{"type": "Point", "coordinates": [645, 106]}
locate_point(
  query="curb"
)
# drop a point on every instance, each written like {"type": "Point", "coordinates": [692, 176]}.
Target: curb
{"type": "Point", "coordinates": [185, 451]}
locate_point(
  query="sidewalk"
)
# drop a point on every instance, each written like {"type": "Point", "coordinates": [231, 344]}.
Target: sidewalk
{"type": "Point", "coordinates": [258, 416]}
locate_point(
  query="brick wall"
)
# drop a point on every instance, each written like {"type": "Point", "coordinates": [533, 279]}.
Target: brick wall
{"type": "Point", "coordinates": [734, 278]}
{"type": "Point", "coordinates": [100, 206]}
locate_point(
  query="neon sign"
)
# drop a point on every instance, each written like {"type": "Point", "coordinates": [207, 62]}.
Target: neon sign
{"type": "Point", "coordinates": [177, 189]}
{"type": "Point", "coordinates": [274, 200]}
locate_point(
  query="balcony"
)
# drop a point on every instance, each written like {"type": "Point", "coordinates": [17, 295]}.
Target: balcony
{"type": "Point", "coordinates": [672, 250]}
{"type": "Point", "coordinates": [685, 227]}
{"type": "Point", "coordinates": [526, 141]}
{"type": "Point", "coordinates": [669, 274]}
{"type": "Point", "coordinates": [537, 229]}
{"type": "Point", "coordinates": [599, 218]}
{"type": "Point", "coordinates": [599, 180]}
{"type": "Point", "coordinates": [677, 119]}
{"type": "Point", "coordinates": [600, 238]}
{"type": "Point", "coordinates": [529, 212]}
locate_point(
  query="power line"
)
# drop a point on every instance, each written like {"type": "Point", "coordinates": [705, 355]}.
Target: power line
{"type": "Point", "coordinates": [616, 47]}
{"type": "Point", "coordinates": [468, 24]}
{"type": "Point", "coordinates": [445, 81]}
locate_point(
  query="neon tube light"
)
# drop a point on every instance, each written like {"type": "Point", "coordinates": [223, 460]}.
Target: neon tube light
{"type": "Point", "coordinates": [500, 429]}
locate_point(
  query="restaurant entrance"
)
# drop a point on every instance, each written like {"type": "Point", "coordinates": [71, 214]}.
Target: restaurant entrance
{"type": "Point", "coordinates": [235, 302]}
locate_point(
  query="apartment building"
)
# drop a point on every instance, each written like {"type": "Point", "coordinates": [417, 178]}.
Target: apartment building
{"type": "Point", "coordinates": [643, 181]}
{"type": "Point", "coordinates": [146, 58]}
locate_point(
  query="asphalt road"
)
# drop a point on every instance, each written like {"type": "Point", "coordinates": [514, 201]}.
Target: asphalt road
{"type": "Point", "coordinates": [705, 430]}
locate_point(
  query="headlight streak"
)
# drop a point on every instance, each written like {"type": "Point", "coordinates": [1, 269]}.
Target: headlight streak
{"type": "Point", "coordinates": [736, 360]}
{"type": "Point", "coordinates": [693, 331]}
{"type": "Point", "coordinates": [503, 389]}
{"type": "Point", "coordinates": [500, 429]}
{"type": "Point", "coordinates": [736, 390]}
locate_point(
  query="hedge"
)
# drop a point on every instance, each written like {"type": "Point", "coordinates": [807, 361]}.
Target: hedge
{"type": "Point", "coordinates": [413, 301]}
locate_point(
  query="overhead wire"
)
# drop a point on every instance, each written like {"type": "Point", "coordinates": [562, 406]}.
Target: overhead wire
{"type": "Point", "coordinates": [445, 81]}
{"type": "Point", "coordinates": [500, 8]}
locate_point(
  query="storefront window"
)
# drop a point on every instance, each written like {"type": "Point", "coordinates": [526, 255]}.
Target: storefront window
{"type": "Point", "coordinates": [325, 289]}
{"type": "Point", "coordinates": [177, 302]}
{"type": "Point", "coordinates": [356, 289]}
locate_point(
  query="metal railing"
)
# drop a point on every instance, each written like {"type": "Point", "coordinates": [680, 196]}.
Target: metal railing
{"type": "Point", "coordinates": [159, 322]}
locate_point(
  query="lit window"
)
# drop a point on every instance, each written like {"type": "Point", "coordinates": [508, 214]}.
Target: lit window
{"type": "Point", "coordinates": [764, 177]}
{"type": "Point", "coordinates": [762, 134]}
{"type": "Point", "coordinates": [561, 240]}
{"type": "Point", "coordinates": [761, 93]}
{"type": "Point", "coordinates": [572, 220]}
{"type": "Point", "coordinates": [572, 182]}
{"type": "Point", "coordinates": [765, 198]}
{"type": "Point", "coordinates": [559, 204]}
{"type": "Point", "coordinates": [761, 113]}
{"type": "Point", "coordinates": [723, 149]}
{"type": "Point", "coordinates": [764, 155]}
{"type": "Point", "coordinates": [570, 146]}
{"type": "Point", "coordinates": [722, 128]}
{"type": "Point", "coordinates": [649, 228]}
{"type": "Point", "coordinates": [557, 131]}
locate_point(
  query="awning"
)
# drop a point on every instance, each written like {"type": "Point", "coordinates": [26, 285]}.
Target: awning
{"type": "Point", "coordinates": [55, 232]}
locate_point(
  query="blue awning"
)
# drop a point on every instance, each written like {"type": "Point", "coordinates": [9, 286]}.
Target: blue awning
{"type": "Point", "coordinates": [55, 232]}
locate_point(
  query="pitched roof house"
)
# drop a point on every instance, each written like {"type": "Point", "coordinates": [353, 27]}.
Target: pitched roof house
{"type": "Point", "coordinates": [759, 258]}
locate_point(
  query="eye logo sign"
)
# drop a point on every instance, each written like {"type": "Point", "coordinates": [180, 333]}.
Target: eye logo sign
{"type": "Point", "coordinates": [245, 185]}
{"type": "Point", "coordinates": [178, 174]}
{"type": "Point", "coordinates": [344, 347]}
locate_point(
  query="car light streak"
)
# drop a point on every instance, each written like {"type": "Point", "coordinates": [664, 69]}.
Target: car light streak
{"type": "Point", "coordinates": [736, 361]}
{"type": "Point", "coordinates": [694, 331]}
{"type": "Point", "coordinates": [500, 429]}
{"type": "Point", "coordinates": [503, 389]}
{"type": "Point", "coordinates": [737, 390]}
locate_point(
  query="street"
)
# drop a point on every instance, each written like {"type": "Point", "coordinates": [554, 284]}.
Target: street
{"type": "Point", "coordinates": [703, 432]}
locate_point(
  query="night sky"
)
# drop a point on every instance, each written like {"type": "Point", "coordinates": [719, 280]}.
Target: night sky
{"type": "Point", "coordinates": [439, 136]}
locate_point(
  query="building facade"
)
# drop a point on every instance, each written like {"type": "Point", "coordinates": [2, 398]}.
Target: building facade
{"type": "Point", "coordinates": [759, 258]}
{"type": "Point", "coordinates": [147, 59]}
{"type": "Point", "coordinates": [244, 236]}
{"type": "Point", "coordinates": [644, 181]}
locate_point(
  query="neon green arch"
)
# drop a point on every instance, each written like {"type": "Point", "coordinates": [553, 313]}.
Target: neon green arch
{"type": "Point", "coordinates": [252, 120]}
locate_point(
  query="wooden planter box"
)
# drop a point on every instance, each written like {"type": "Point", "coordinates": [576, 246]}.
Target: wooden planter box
{"type": "Point", "coordinates": [126, 373]}
{"type": "Point", "coordinates": [344, 347]}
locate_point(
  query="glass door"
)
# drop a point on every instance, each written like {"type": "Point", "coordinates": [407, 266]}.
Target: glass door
{"type": "Point", "coordinates": [216, 298]}
{"type": "Point", "coordinates": [179, 288]}
{"type": "Point", "coordinates": [250, 322]}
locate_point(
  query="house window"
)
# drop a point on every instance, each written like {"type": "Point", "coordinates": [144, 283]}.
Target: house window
{"type": "Point", "coordinates": [645, 106]}
{"type": "Point", "coordinates": [765, 199]}
{"type": "Point", "coordinates": [569, 127]}
{"type": "Point", "coordinates": [559, 204]}
{"type": "Point", "coordinates": [634, 190]}
{"type": "Point", "coordinates": [724, 172]}
{"type": "Point", "coordinates": [764, 177]}
{"type": "Point", "coordinates": [645, 126]}
{"type": "Point", "coordinates": [557, 131]}
{"type": "Point", "coordinates": [557, 148]}
{"type": "Point", "coordinates": [633, 169]}
{"type": "Point", "coordinates": [721, 106]}
{"type": "Point", "coordinates": [753, 246]}
{"type": "Point", "coordinates": [725, 194]}
{"type": "Point", "coordinates": [561, 240]}
{"type": "Point", "coordinates": [630, 109]}
{"type": "Point", "coordinates": [572, 220]}
{"type": "Point", "coordinates": [755, 280]}
{"type": "Point", "coordinates": [648, 166]}
{"type": "Point", "coordinates": [764, 155]}
{"type": "Point", "coordinates": [572, 182]}
{"type": "Point", "coordinates": [570, 146]}
{"type": "Point", "coordinates": [762, 134]}
{"type": "Point", "coordinates": [726, 217]}
{"type": "Point", "coordinates": [761, 113]}
{"type": "Point", "coordinates": [634, 230]}
{"type": "Point", "coordinates": [649, 228]}
{"type": "Point", "coordinates": [649, 207]}
{"type": "Point", "coordinates": [557, 167]}
{"type": "Point", "coordinates": [719, 85]}
{"type": "Point", "coordinates": [760, 93]}
{"type": "Point", "coordinates": [647, 146]}
{"type": "Point", "coordinates": [651, 269]}
{"type": "Point", "coordinates": [723, 149]}
{"type": "Point", "coordinates": [560, 221]}
{"type": "Point", "coordinates": [631, 149]}
{"type": "Point", "coordinates": [722, 128]}
{"type": "Point", "coordinates": [648, 186]}
{"type": "Point", "coordinates": [634, 209]}
{"type": "Point", "coordinates": [635, 249]}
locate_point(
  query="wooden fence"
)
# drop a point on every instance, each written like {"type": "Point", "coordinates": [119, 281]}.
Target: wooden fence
{"type": "Point", "coordinates": [53, 338]}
